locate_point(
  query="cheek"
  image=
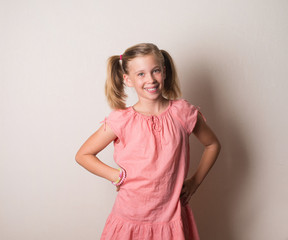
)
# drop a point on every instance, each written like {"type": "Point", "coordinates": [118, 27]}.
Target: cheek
{"type": "Point", "coordinates": [138, 83]}
{"type": "Point", "coordinates": [161, 77]}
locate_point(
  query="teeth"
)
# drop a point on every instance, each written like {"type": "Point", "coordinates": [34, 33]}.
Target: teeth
{"type": "Point", "coordinates": [151, 89]}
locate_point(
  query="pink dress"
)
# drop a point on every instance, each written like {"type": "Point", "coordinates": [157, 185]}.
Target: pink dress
{"type": "Point", "coordinates": [154, 150]}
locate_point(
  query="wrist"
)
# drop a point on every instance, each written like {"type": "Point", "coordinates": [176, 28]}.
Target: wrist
{"type": "Point", "coordinates": [121, 177]}
{"type": "Point", "coordinates": [115, 175]}
{"type": "Point", "coordinates": [194, 180]}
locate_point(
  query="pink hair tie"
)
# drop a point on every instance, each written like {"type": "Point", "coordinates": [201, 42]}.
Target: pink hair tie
{"type": "Point", "coordinates": [120, 57]}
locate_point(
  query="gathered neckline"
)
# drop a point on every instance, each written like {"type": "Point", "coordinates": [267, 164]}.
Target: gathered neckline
{"type": "Point", "coordinates": [150, 116]}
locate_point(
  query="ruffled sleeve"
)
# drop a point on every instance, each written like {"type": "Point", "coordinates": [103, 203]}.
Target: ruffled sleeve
{"type": "Point", "coordinates": [117, 121]}
{"type": "Point", "coordinates": [187, 114]}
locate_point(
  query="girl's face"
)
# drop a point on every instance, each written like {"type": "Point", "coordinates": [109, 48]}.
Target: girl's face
{"type": "Point", "coordinates": [146, 75]}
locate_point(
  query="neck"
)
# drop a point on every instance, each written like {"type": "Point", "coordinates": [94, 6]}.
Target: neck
{"type": "Point", "coordinates": [151, 107]}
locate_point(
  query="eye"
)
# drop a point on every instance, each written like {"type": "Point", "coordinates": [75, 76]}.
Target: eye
{"type": "Point", "coordinates": [140, 74]}
{"type": "Point", "coordinates": [157, 70]}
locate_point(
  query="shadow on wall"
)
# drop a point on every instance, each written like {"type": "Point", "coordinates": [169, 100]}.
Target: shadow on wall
{"type": "Point", "coordinates": [218, 197]}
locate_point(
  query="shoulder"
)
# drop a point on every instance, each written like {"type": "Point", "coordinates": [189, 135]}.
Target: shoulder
{"type": "Point", "coordinates": [182, 105]}
{"type": "Point", "coordinates": [120, 114]}
{"type": "Point", "coordinates": [186, 113]}
{"type": "Point", "coordinates": [119, 120]}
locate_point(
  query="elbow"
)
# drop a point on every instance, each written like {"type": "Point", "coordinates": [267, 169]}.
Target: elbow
{"type": "Point", "coordinates": [215, 147]}
{"type": "Point", "coordinates": [78, 158]}
{"type": "Point", "coordinates": [218, 146]}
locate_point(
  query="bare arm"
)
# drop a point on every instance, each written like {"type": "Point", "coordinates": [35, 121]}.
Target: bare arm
{"type": "Point", "coordinates": [86, 155]}
{"type": "Point", "coordinates": [212, 148]}
{"type": "Point", "coordinates": [211, 151]}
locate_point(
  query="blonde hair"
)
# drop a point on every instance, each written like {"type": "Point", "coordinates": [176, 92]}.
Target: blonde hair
{"type": "Point", "coordinates": [118, 65]}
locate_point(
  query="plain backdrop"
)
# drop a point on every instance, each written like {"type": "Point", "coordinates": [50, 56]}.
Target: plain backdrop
{"type": "Point", "coordinates": [231, 57]}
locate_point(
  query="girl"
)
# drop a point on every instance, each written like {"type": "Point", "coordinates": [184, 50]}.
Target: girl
{"type": "Point", "coordinates": [151, 146]}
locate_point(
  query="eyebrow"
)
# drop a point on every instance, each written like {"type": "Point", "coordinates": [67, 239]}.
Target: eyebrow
{"type": "Point", "coordinates": [142, 70]}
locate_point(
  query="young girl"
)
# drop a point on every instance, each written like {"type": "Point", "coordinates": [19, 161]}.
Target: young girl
{"type": "Point", "coordinates": [151, 147]}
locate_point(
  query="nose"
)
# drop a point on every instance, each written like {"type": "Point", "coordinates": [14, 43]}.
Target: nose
{"type": "Point", "coordinates": [150, 78]}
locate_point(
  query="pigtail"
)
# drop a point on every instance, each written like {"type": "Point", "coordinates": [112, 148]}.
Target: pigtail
{"type": "Point", "coordinates": [114, 86]}
{"type": "Point", "coordinates": [171, 83]}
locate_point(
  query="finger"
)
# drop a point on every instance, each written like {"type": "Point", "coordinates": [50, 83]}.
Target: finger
{"type": "Point", "coordinates": [184, 198]}
{"type": "Point", "coordinates": [183, 201]}
{"type": "Point", "coordinates": [188, 198]}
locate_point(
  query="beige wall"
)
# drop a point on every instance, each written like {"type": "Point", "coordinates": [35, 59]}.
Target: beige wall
{"type": "Point", "coordinates": [232, 62]}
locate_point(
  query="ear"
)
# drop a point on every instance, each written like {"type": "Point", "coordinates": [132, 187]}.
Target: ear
{"type": "Point", "coordinates": [127, 80]}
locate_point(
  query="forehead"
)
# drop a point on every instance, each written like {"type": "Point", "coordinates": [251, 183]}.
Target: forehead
{"type": "Point", "coordinates": [144, 62]}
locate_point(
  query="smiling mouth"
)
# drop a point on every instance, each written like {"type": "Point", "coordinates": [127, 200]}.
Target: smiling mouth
{"type": "Point", "coordinates": [152, 90]}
